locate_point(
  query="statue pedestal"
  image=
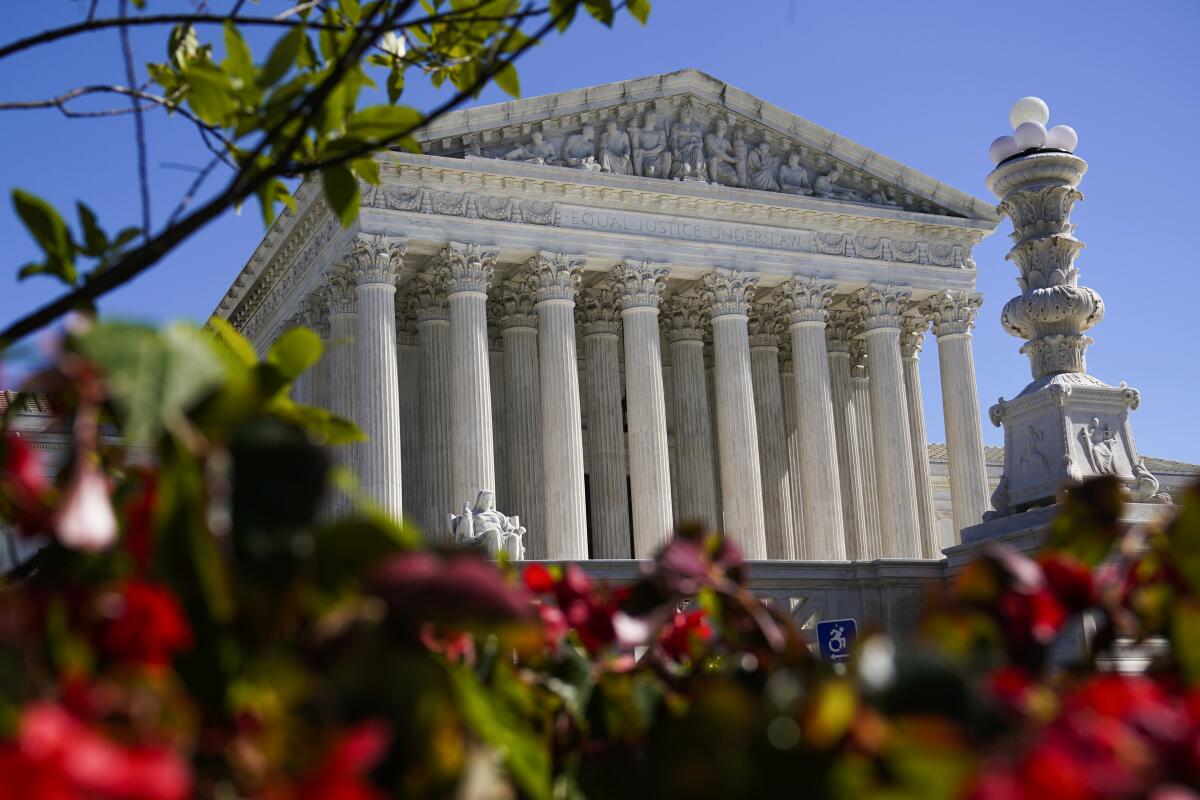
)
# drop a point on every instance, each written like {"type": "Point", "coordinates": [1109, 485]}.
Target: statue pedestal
{"type": "Point", "coordinates": [1064, 429]}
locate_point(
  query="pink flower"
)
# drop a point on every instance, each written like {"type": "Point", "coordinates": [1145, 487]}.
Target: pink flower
{"type": "Point", "coordinates": [148, 627]}
{"type": "Point", "coordinates": [86, 520]}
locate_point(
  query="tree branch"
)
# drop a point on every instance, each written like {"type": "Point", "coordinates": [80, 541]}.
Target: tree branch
{"type": "Point", "coordinates": [139, 125]}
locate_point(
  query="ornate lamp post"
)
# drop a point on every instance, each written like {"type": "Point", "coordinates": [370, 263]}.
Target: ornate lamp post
{"type": "Point", "coordinates": [1066, 425]}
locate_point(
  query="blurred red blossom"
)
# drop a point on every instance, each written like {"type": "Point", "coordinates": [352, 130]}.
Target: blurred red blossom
{"type": "Point", "coordinates": [146, 626]}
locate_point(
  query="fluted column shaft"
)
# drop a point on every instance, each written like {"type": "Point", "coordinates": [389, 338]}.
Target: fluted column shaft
{"type": "Point", "coordinates": [433, 335]}
{"type": "Point", "coordinates": [854, 517]}
{"type": "Point", "coordinates": [557, 277]}
{"type": "Point", "coordinates": [468, 271]}
{"type": "Point", "coordinates": [881, 308]}
{"type": "Point", "coordinates": [807, 301]}
{"type": "Point", "coordinates": [378, 398]}
{"type": "Point", "coordinates": [695, 478]}
{"type": "Point", "coordinates": [340, 295]}
{"type": "Point", "coordinates": [408, 365]}
{"type": "Point", "coordinates": [730, 294]}
{"type": "Point", "coordinates": [772, 438]}
{"type": "Point", "coordinates": [953, 315]}
{"type": "Point", "coordinates": [499, 396]}
{"type": "Point", "coordinates": [912, 335]}
{"type": "Point", "coordinates": [873, 544]}
{"type": "Point", "coordinates": [606, 442]}
{"type": "Point", "coordinates": [524, 428]}
{"type": "Point", "coordinates": [640, 286]}
{"type": "Point", "coordinates": [787, 386]}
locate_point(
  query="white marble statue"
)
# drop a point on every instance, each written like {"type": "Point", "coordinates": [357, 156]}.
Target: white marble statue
{"type": "Point", "coordinates": [538, 151]}
{"type": "Point", "coordinates": [827, 186]}
{"type": "Point", "coordinates": [761, 168]}
{"type": "Point", "coordinates": [1100, 444]}
{"type": "Point", "coordinates": [484, 528]}
{"type": "Point", "coordinates": [579, 150]}
{"type": "Point", "coordinates": [793, 178]}
{"type": "Point", "coordinates": [616, 153]}
{"type": "Point", "coordinates": [687, 147]}
{"type": "Point", "coordinates": [651, 158]}
{"type": "Point", "coordinates": [722, 163]}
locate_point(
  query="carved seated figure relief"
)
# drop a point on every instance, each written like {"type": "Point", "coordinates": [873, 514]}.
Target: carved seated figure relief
{"type": "Point", "coordinates": [616, 153]}
{"type": "Point", "coordinates": [827, 186]}
{"type": "Point", "coordinates": [579, 150]}
{"type": "Point", "coordinates": [793, 178]}
{"type": "Point", "coordinates": [722, 163]}
{"type": "Point", "coordinates": [538, 151]}
{"type": "Point", "coordinates": [486, 529]}
{"type": "Point", "coordinates": [651, 158]}
{"type": "Point", "coordinates": [761, 168]}
{"type": "Point", "coordinates": [687, 148]}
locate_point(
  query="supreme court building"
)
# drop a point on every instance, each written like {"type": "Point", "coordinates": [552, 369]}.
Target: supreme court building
{"type": "Point", "coordinates": [629, 305]}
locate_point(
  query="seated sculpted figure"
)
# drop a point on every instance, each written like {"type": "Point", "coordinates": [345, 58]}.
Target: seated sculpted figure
{"type": "Point", "coordinates": [579, 150]}
{"type": "Point", "coordinates": [793, 178]}
{"type": "Point", "coordinates": [761, 167]}
{"type": "Point", "coordinates": [615, 150]}
{"type": "Point", "coordinates": [486, 529]}
{"type": "Point", "coordinates": [538, 151]}
{"type": "Point", "coordinates": [722, 163]}
{"type": "Point", "coordinates": [651, 158]}
{"type": "Point", "coordinates": [826, 186]}
{"type": "Point", "coordinates": [687, 147]}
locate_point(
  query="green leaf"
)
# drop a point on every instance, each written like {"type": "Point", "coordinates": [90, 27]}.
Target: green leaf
{"type": "Point", "coordinates": [507, 80]}
{"type": "Point", "coordinates": [382, 122]}
{"type": "Point", "coordinates": [563, 12]}
{"type": "Point", "coordinates": [153, 378]}
{"type": "Point", "coordinates": [341, 190]}
{"type": "Point", "coordinates": [601, 10]}
{"type": "Point", "coordinates": [367, 169]}
{"type": "Point", "coordinates": [395, 83]}
{"type": "Point", "coordinates": [228, 338]}
{"type": "Point", "coordinates": [210, 94]}
{"type": "Point", "coordinates": [239, 61]}
{"type": "Point", "coordinates": [294, 352]}
{"type": "Point", "coordinates": [352, 10]}
{"type": "Point", "coordinates": [640, 9]}
{"type": "Point", "coordinates": [94, 239]}
{"type": "Point", "coordinates": [50, 232]}
{"type": "Point", "coordinates": [283, 55]}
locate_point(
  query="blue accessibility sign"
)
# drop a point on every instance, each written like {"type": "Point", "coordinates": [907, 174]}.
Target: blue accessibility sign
{"type": "Point", "coordinates": [836, 638]}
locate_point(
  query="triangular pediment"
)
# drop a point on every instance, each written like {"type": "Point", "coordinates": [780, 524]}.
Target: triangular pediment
{"type": "Point", "coordinates": [690, 126]}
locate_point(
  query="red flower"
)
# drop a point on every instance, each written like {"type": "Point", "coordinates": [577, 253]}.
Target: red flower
{"type": "Point", "coordinates": [24, 484]}
{"type": "Point", "coordinates": [58, 756]}
{"type": "Point", "coordinates": [685, 631]}
{"type": "Point", "coordinates": [538, 579]}
{"type": "Point", "coordinates": [147, 626]}
{"type": "Point", "coordinates": [340, 775]}
{"type": "Point", "coordinates": [554, 625]}
{"type": "Point", "coordinates": [139, 513]}
{"type": "Point", "coordinates": [1069, 579]}
{"type": "Point", "coordinates": [459, 587]}
{"type": "Point", "coordinates": [1010, 687]}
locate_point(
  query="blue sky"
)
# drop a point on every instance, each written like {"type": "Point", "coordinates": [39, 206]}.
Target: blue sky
{"type": "Point", "coordinates": [926, 83]}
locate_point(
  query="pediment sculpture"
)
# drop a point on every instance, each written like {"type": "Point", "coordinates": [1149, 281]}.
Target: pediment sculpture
{"type": "Point", "coordinates": [482, 527]}
{"type": "Point", "coordinates": [724, 153]}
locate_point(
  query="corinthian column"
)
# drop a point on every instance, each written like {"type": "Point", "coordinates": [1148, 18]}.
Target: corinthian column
{"type": "Point", "coordinates": [729, 294]}
{"type": "Point", "coordinates": [765, 329]}
{"type": "Point", "coordinates": [873, 539]}
{"type": "Point", "coordinates": [496, 386]}
{"type": "Point", "coordinates": [599, 317]}
{"type": "Point", "coordinates": [468, 272]}
{"type": "Point", "coordinates": [806, 301]}
{"type": "Point", "coordinates": [316, 318]}
{"type": "Point", "coordinates": [556, 277]}
{"type": "Point", "coordinates": [339, 296]}
{"type": "Point", "coordinates": [433, 336]}
{"type": "Point", "coordinates": [880, 308]}
{"type": "Point", "coordinates": [953, 316]}
{"type": "Point", "coordinates": [378, 400]}
{"type": "Point", "coordinates": [684, 321]}
{"type": "Point", "coordinates": [787, 385]}
{"type": "Point", "coordinates": [845, 425]}
{"type": "Point", "coordinates": [523, 412]}
{"type": "Point", "coordinates": [640, 284]}
{"type": "Point", "coordinates": [408, 367]}
{"type": "Point", "coordinates": [912, 336]}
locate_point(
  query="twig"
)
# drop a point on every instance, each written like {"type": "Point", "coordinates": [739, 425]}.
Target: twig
{"type": "Point", "coordinates": [190, 194]}
{"type": "Point", "coordinates": [139, 124]}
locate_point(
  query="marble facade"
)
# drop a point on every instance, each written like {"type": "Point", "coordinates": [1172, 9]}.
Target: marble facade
{"type": "Point", "coordinates": [696, 304]}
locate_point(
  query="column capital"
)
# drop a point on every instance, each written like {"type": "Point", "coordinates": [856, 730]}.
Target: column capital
{"type": "Point", "coordinates": [912, 335]}
{"type": "Point", "coordinates": [406, 319]}
{"type": "Point", "coordinates": [786, 365]}
{"type": "Point", "coordinates": [766, 323]}
{"type": "Point", "coordinates": [641, 283]}
{"type": "Point", "coordinates": [684, 318]}
{"type": "Point", "coordinates": [315, 314]}
{"type": "Point", "coordinates": [807, 299]}
{"type": "Point", "coordinates": [951, 311]}
{"type": "Point", "coordinates": [466, 267]}
{"type": "Point", "coordinates": [377, 259]}
{"type": "Point", "coordinates": [429, 289]}
{"type": "Point", "coordinates": [730, 292]}
{"type": "Point", "coordinates": [880, 306]}
{"type": "Point", "coordinates": [338, 291]}
{"type": "Point", "coordinates": [839, 330]}
{"type": "Point", "coordinates": [596, 311]}
{"type": "Point", "coordinates": [512, 303]}
{"type": "Point", "coordinates": [555, 276]}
